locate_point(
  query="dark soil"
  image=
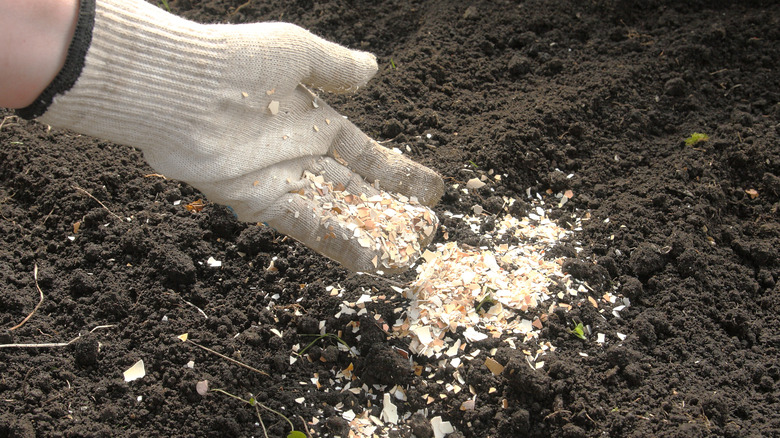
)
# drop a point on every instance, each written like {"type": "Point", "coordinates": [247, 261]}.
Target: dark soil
{"type": "Point", "coordinates": [605, 90]}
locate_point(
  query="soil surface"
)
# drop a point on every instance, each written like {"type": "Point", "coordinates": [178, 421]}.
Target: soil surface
{"type": "Point", "coordinates": [594, 97]}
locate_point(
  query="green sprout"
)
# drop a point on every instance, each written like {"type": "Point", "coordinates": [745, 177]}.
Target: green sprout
{"type": "Point", "coordinates": [257, 405]}
{"type": "Point", "coordinates": [392, 63]}
{"type": "Point", "coordinates": [166, 5]}
{"type": "Point", "coordinates": [486, 302]}
{"type": "Point", "coordinates": [578, 331]}
{"type": "Point", "coordinates": [696, 138]}
{"type": "Point", "coordinates": [473, 164]}
{"type": "Point", "coordinates": [320, 337]}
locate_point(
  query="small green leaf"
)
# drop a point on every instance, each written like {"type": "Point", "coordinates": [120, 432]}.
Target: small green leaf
{"type": "Point", "coordinates": [578, 331]}
{"type": "Point", "coordinates": [485, 303]}
{"type": "Point", "coordinates": [392, 63]}
{"type": "Point", "coordinates": [296, 434]}
{"type": "Point", "coordinates": [252, 401]}
{"type": "Point", "coordinates": [695, 138]}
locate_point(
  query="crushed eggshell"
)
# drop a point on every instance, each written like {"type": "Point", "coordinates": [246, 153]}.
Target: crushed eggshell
{"type": "Point", "coordinates": [348, 415]}
{"type": "Point", "coordinates": [395, 227]}
{"type": "Point", "coordinates": [494, 367]}
{"type": "Point", "coordinates": [389, 410]}
{"type": "Point", "coordinates": [273, 107]}
{"type": "Point", "coordinates": [135, 372]}
{"type": "Point", "coordinates": [482, 289]}
{"type": "Point", "coordinates": [464, 295]}
{"type": "Point", "coordinates": [475, 183]}
{"type": "Point", "coordinates": [468, 405]}
{"type": "Point", "coordinates": [202, 387]}
{"type": "Point", "coordinates": [441, 428]}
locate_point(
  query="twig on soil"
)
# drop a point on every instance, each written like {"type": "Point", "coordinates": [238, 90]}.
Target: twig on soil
{"type": "Point", "coordinates": [189, 303]}
{"type": "Point", "coordinates": [156, 175]}
{"type": "Point", "coordinates": [235, 11]}
{"type": "Point", "coordinates": [226, 358]}
{"type": "Point", "coordinates": [197, 308]}
{"type": "Point", "coordinates": [98, 201]}
{"type": "Point", "coordinates": [7, 118]}
{"type": "Point", "coordinates": [731, 89]}
{"type": "Point", "coordinates": [561, 412]}
{"type": "Point", "coordinates": [47, 216]}
{"type": "Point", "coordinates": [54, 344]}
{"type": "Point", "coordinates": [2, 201]}
{"type": "Point", "coordinates": [305, 427]}
{"type": "Point", "coordinates": [35, 276]}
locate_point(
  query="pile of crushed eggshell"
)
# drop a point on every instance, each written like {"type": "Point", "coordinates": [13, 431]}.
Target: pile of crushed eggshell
{"type": "Point", "coordinates": [392, 226]}
{"type": "Point", "coordinates": [461, 295]}
{"type": "Point", "coordinates": [497, 290]}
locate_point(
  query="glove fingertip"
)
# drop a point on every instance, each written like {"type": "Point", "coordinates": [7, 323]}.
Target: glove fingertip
{"type": "Point", "coordinates": [343, 70]}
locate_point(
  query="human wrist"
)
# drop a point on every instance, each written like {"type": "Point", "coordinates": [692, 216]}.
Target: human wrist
{"type": "Point", "coordinates": [66, 58]}
{"type": "Point", "coordinates": [35, 36]}
{"type": "Point", "coordinates": [141, 79]}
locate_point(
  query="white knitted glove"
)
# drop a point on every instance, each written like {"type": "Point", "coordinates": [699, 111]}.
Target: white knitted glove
{"type": "Point", "coordinates": [226, 109]}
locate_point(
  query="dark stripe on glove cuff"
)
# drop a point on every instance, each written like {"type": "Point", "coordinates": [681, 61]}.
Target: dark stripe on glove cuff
{"type": "Point", "coordinates": [74, 63]}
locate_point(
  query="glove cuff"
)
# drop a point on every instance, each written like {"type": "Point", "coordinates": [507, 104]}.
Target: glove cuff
{"type": "Point", "coordinates": [139, 76]}
{"type": "Point", "coordinates": [74, 63]}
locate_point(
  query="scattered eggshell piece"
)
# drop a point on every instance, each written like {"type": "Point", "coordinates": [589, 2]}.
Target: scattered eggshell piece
{"type": "Point", "coordinates": [467, 405]}
{"type": "Point", "coordinates": [136, 371]}
{"type": "Point", "coordinates": [441, 428]}
{"type": "Point", "coordinates": [494, 367]}
{"type": "Point", "coordinates": [389, 410]}
{"type": "Point", "coordinates": [202, 387]}
{"type": "Point", "coordinates": [475, 183]}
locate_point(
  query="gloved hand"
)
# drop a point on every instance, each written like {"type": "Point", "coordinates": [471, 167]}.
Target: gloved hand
{"type": "Point", "coordinates": [230, 110]}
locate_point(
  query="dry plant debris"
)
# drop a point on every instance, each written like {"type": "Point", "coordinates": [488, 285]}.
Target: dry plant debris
{"type": "Point", "coordinates": [40, 301]}
{"type": "Point", "coordinates": [394, 227]}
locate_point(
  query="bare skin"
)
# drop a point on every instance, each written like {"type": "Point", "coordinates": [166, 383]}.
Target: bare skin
{"type": "Point", "coordinates": [35, 35]}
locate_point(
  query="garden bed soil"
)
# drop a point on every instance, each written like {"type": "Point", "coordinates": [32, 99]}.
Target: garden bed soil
{"type": "Point", "coordinates": [593, 97]}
